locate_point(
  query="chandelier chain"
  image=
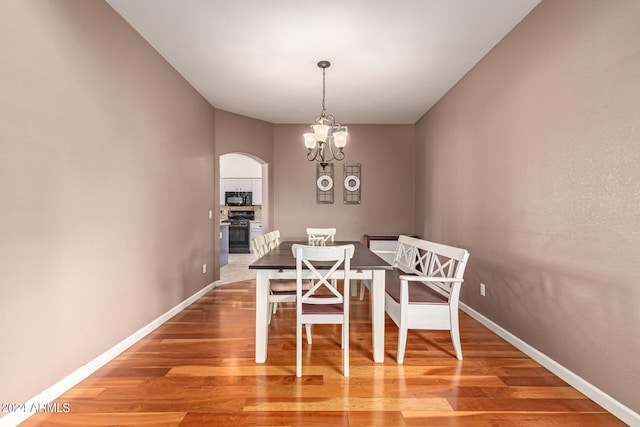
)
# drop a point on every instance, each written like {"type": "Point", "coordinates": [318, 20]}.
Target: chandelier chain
{"type": "Point", "coordinates": [324, 109]}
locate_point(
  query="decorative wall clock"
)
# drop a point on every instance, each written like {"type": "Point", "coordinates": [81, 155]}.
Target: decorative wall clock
{"type": "Point", "coordinates": [352, 183]}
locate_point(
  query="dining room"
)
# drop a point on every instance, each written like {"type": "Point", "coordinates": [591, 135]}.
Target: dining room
{"type": "Point", "coordinates": [111, 282]}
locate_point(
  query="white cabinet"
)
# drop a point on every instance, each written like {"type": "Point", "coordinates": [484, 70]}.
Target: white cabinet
{"type": "Point", "coordinates": [233, 185]}
{"type": "Point", "coordinates": [236, 184]}
{"type": "Point", "coordinates": [242, 184]}
{"type": "Point", "coordinates": [256, 189]}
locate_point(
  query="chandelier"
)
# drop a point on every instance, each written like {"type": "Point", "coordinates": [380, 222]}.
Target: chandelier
{"type": "Point", "coordinates": [325, 130]}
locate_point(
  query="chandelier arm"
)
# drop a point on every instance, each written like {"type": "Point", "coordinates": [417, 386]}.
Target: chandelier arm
{"type": "Point", "coordinates": [321, 150]}
{"type": "Point", "coordinates": [330, 150]}
{"type": "Point", "coordinates": [338, 156]}
{"type": "Point", "coordinates": [333, 155]}
{"type": "Point", "coordinates": [319, 153]}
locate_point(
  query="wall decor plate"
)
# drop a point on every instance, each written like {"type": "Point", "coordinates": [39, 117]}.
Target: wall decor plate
{"type": "Point", "coordinates": [324, 183]}
{"type": "Point", "coordinates": [352, 183]}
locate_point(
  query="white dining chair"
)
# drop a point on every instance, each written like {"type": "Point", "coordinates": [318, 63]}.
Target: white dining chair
{"type": "Point", "coordinates": [323, 303]}
{"type": "Point", "coordinates": [258, 244]}
{"type": "Point", "coordinates": [272, 239]}
{"type": "Point", "coordinates": [319, 236]}
{"type": "Point", "coordinates": [280, 290]}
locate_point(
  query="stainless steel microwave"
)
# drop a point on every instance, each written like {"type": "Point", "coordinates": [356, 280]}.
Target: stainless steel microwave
{"type": "Point", "coordinates": [238, 198]}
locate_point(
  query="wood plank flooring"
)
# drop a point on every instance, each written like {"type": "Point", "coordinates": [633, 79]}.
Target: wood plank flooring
{"type": "Point", "coordinates": [198, 369]}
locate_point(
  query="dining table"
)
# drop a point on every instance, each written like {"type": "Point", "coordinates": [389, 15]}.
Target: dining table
{"type": "Point", "coordinates": [279, 263]}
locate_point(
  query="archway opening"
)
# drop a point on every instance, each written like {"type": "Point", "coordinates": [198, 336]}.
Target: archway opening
{"type": "Point", "coordinates": [243, 206]}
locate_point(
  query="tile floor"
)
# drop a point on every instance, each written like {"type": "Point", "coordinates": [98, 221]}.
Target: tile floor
{"type": "Point", "coordinates": [237, 269]}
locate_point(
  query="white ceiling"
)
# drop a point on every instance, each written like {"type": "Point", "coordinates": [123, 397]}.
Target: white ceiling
{"type": "Point", "coordinates": [391, 60]}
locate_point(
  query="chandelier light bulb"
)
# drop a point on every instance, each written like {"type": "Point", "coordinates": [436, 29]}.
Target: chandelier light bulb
{"type": "Point", "coordinates": [310, 141]}
{"type": "Point", "coordinates": [340, 139]}
{"type": "Point", "coordinates": [321, 132]}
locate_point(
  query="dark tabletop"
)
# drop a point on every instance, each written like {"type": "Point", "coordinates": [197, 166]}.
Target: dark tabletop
{"type": "Point", "coordinates": [282, 257]}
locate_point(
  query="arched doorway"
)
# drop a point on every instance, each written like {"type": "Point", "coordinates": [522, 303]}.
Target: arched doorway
{"type": "Point", "coordinates": [243, 191]}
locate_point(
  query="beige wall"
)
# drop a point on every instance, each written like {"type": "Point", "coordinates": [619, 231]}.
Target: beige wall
{"type": "Point", "coordinates": [386, 155]}
{"type": "Point", "coordinates": [240, 134]}
{"type": "Point", "coordinates": [531, 163]}
{"type": "Point", "coordinates": [106, 178]}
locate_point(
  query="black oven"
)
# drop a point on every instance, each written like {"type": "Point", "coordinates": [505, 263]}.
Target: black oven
{"type": "Point", "coordinates": [238, 198]}
{"type": "Point", "coordinates": [239, 231]}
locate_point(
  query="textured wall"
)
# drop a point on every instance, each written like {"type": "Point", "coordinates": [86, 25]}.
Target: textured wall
{"type": "Point", "coordinates": [386, 155]}
{"type": "Point", "coordinates": [106, 178]}
{"type": "Point", "coordinates": [531, 163]}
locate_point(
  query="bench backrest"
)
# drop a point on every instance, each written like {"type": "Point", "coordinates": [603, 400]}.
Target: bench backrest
{"type": "Point", "coordinates": [421, 257]}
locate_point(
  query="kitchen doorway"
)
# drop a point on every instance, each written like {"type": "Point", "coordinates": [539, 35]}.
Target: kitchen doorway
{"type": "Point", "coordinates": [243, 207]}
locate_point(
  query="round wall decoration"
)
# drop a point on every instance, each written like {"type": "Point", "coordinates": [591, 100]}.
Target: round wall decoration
{"type": "Point", "coordinates": [324, 182]}
{"type": "Point", "coordinates": [352, 183]}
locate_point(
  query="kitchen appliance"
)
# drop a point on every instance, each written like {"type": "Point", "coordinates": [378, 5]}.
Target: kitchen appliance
{"type": "Point", "coordinates": [255, 229]}
{"type": "Point", "coordinates": [239, 231]}
{"type": "Point", "coordinates": [224, 244]}
{"type": "Point", "coordinates": [238, 198]}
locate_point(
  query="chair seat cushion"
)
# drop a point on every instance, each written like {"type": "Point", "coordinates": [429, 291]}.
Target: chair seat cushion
{"type": "Point", "coordinates": [285, 285]}
{"type": "Point", "coordinates": [283, 293]}
{"type": "Point", "coordinates": [322, 309]}
{"type": "Point", "coordinates": [418, 293]}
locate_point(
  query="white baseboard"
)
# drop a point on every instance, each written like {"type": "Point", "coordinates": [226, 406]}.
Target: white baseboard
{"type": "Point", "coordinates": [624, 413]}
{"type": "Point", "coordinates": [56, 390]}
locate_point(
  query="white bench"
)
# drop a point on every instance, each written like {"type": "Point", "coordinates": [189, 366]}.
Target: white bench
{"type": "Point", "coordinates": [423, 289]}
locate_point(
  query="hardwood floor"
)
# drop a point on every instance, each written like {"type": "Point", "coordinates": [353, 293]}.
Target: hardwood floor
{"type": "Point", "coordinates": [198, 369]}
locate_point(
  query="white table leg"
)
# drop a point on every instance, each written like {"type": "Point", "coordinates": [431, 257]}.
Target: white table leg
{"type": "Point", "coordinates": [262, 305]}
{"type": "Point", "coordinates": [377, 300]}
